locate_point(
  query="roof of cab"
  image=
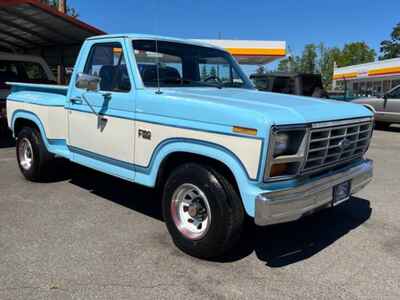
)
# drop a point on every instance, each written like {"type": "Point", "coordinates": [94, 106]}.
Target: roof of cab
{"type": "Point", "coordinates": [135, 36]}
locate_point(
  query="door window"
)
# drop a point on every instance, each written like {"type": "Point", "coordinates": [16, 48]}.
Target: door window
{"type": "Point", "coordinates": [107, 61]}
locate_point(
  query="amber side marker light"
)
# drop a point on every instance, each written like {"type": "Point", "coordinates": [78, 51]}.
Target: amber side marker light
{"type": "Point", "coordinates": [278, 169]}
{"type": "Point", "coordinates": [244, 130]}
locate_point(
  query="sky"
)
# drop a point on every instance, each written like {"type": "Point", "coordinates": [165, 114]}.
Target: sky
{"type": "Point", "coordinates": [296, 22]}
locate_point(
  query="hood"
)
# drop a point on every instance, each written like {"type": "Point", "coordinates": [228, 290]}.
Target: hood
{"type": "Point", "coordinates": [273, 108]}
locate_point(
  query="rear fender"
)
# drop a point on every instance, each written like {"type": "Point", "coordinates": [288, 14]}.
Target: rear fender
{"type": "Point", "coordinates": [55, 146]}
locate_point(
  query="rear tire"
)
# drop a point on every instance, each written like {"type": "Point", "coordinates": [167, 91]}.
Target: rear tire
{"type": "Point", "coordinates": [32, 155]}
{"type": "Point", "coordinates": [202, 211]}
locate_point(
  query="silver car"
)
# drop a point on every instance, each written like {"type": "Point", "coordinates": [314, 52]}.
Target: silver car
{"type": "Point", "coordinates": [385, 108]}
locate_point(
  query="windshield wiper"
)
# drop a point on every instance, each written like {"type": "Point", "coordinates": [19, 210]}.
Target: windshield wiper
{"type": "Point", "coordinates": [189, 81]}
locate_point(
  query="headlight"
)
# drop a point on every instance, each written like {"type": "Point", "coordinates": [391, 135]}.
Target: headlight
{"type": "Point", "coordinates": [286, 153]}
{"type": "Point", "coordinates": [281, 143]}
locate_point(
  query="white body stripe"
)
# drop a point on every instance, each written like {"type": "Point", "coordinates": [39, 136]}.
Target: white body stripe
{"type": "Point", "coordinates": [248, 150]}
{"type": "Point", "coordinates": [116, 139]}
{"type": "Point", "coordinates": [53, 118]}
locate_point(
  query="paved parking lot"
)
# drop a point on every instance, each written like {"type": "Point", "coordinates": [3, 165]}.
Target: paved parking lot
{"type": "Point", "coordinates": [88, 235]}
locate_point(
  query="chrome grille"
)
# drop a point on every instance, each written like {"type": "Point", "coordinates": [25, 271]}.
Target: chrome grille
{"type": "Point", "coordinates": [329, 146]}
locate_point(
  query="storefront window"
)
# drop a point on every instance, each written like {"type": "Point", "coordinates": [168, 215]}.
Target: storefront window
{"type": "Point", "coordinates": [363, 89]}
{"type": "Point", "coordinates": [377, 88]}
{"type": "Point", "coordinates": [386, 85]}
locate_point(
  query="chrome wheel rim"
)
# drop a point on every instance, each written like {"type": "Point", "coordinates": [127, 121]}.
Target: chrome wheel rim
{"type": "Point", "coordinates": [191, 211]}
{"type": "Point", "coordinates": [25, 152]}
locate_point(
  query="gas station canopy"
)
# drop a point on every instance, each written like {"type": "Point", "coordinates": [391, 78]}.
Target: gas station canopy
{"type": "Point", "coordinates": [28, 24]}
{"type": "Point", "coordinates": [252, 52]}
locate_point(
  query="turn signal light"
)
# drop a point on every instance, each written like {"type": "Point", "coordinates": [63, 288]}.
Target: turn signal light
{"type": "Point", "coordinates": [284, 169]}
{"type": "Point", "coordinates": [244, 130]}
{"type": "Point", "coordinates": [279, 169]}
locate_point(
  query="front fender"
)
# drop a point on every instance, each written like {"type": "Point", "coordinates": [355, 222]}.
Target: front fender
{"type": "Point", "coordinates": [148, 175]}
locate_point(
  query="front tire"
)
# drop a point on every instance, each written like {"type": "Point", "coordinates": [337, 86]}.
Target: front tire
{"type": "Point", "coordinates": [202, 211]}
{"type": "Point", "coordinates": [32, 155]}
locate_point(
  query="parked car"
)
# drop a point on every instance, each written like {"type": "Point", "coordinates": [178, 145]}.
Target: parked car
{"type": "Point", "coordinates": [20, 68]}
{"type": "Point", "coordinates": [385, 108]}
{"type": "Point", "coordinates": [181, 116]}
{"type": "Point", "coordinates": [290, 83]}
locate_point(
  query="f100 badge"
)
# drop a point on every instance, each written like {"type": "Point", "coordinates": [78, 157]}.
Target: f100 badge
{"type": "Point", "coordinates": [144, 134]}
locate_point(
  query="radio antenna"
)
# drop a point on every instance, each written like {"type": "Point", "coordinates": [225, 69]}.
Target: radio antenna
{"type": "Point", "coordinates": [156, 10]}
{"type": "Point", "coordinates": [158, 69]}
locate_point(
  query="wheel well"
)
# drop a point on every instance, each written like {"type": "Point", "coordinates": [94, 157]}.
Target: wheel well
{"type": "Point", "coordinates": [176, 159]}
{"type": "Point", "coordinates": [21, 123]}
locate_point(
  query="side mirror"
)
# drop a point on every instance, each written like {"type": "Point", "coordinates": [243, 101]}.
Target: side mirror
{"type": "Point", "coordinates": [385, 96]}
{"type": "Point", "coordinates": [88, 82]}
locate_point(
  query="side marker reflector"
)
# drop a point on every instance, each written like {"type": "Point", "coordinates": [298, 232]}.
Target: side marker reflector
{"type": "Point", "coordinates": [244, 130]}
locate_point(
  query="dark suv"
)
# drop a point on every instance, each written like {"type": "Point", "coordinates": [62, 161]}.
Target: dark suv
{"type": "Point", "coordinates": [290, 83]}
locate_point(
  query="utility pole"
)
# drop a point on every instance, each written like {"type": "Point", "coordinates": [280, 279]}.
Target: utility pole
{"type": "Point", "coordinates": [61, 7]}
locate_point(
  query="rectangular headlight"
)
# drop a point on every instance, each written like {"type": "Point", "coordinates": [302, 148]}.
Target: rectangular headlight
{"type": "Point", "coordinates": [286, 152]}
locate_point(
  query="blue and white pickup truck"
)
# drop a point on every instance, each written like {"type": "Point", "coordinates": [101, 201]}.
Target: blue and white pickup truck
{"type": "Point", "coordinates": [182, 116]}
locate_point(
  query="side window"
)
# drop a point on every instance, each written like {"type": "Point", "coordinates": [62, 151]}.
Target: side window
{"type": "Point", "coordinates": [34, 71]}
{"type": "Point", "coordinates": [107, 61]}
{"type": "Point", "coordinates": [8, 71]}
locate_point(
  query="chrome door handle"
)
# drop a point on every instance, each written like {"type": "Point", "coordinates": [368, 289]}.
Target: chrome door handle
{"type": "Point", "coordinates": [76, 100]}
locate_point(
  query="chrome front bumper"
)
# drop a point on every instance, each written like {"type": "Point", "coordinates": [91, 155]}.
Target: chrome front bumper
{"type": "Point", "coordinates": [290, 204]}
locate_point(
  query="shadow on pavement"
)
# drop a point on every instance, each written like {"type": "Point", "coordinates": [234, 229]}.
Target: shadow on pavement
{"type": "Point", "coordinates": [277, 245]}
{"type": "Point", "coordinates": [141, 199]}
{"type": "Point", "coordinates": [285, 244]}
{"type": "Point", "coordinates": [392, 128]}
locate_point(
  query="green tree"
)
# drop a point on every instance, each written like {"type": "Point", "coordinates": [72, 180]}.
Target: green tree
{"type": "Point", "coordinates": [54, 3]}
{"type": "Point", "coordinates": [327, 58]}
{"type": "Point", "coordinates": [290, 64]}
{"type": "Point", "coordinates": [260, 70]}
{"type": "Point", "coordinates": [213, 72]}
{"type": "Point", "coordinates": [309, 59]}
{"type": "Point", "coordinates": [72, 12]}
{"type": "Point", "coordinates": [356, 53]}
{"type": "Point", "coordinates": [391, 48]}
{"type": "Point", "coordinates": [204, 74]}
{"type": "Point", "coordinates": [321, 59]}
{"type": "Point", "coordinates": [283, 65]}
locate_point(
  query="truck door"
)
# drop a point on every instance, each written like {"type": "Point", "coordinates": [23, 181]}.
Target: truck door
{"type": "Point", "coordinates": [101, 124]}
{"type": "Point", "coordinates": [392, 106]}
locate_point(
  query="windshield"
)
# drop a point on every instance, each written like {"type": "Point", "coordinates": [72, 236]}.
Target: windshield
{"type": "Point", "coordinates": [183, 65]}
